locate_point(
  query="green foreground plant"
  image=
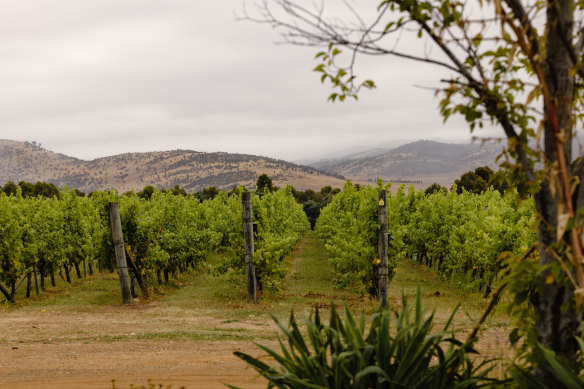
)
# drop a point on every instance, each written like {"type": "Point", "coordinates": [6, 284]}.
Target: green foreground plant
{"type": "Point", "coordinates": [546, 359]}
{"type": "Point", "coordinates": [396, 352]}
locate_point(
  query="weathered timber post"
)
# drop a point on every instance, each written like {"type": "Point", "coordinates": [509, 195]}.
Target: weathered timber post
{"type": "Point", "coordinates": [382, 246]}
{"type": "Point", "coordinates": [248, 241]}
{"type": "Point", "coordinates": [118, 238]}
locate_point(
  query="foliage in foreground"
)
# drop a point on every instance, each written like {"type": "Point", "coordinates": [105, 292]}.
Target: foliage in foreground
{"type": "Point", "coordinates": [569, 374]}
{"type": "Point", "coordinates": [342, 354]}
{"type": "Point", "coordinates": [514, 63]}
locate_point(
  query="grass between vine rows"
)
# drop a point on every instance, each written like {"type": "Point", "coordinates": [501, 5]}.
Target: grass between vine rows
{"type": "Point", "coordinates": [200, 306]}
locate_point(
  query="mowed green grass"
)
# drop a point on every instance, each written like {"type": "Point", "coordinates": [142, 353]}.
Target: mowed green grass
{"type": "Point", "coordinates": [308, 284]}
{"type": "Point", "coordinates": [95, 290]}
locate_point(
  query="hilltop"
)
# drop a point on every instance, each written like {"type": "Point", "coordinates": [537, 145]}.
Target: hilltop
{"type": "Point", "coordinates": [192, 170]}
{"type": "Point", "coordinates": [422, 162]}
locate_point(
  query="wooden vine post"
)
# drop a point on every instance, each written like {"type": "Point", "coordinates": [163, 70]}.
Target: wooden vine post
{"type": "Point", "coordinates": [248, 242]}
{"type": "Point", "coordinates": [118, 238]}
{"type": "Point", "coordinates": [382, 246]}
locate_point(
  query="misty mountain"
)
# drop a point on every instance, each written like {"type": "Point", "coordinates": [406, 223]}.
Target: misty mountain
{"type": "Point", "coordinates": [425, 161]}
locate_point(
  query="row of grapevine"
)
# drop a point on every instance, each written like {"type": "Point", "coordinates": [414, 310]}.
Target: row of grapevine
{"type": "Point", "coordinates": [463, 236]}
{"type": "Point", "coordinates": [45, 235]}
{"type": "Point", "coordinates": [349, 228]}
{"type": "Point", "coordinates": [281, 222]}
{"type": "Point", "coordinates": [162, 235]}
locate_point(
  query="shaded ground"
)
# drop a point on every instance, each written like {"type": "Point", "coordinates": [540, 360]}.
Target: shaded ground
{"type": "Point", "coordinates": [83, 338]}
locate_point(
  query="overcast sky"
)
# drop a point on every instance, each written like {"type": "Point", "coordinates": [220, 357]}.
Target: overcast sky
{"type": "Point", "coordinates": [91, 78]}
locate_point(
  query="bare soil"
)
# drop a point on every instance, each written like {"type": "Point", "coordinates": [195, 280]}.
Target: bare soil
{"type": "Point", "coordinates": [89, 350]}
{"type": "Point", "coordinates": [193, 364]}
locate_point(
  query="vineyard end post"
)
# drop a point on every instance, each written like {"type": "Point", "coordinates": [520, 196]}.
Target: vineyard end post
{"type": "Point", "coordinates": [118, 239]}
{"type": "Point", "coordinates": [382, 246]}
{"type": "Point", "coordinates": [248, 242]}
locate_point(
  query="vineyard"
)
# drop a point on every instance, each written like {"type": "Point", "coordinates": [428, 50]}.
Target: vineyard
{"type": "Point", "coordinates": [167, 234]}
{"type": "Point", "coordinates": [195, 252]}
{"type": "Point", "coordinates": [461, 236]}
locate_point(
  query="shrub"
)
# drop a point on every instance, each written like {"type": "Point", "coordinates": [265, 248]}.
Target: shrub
{"type": "Point", "coordinates": [342, 355]}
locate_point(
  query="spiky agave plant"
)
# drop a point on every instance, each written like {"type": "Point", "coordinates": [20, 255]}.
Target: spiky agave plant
{"type": "Point", "coordinates": [343, 355]}
{"type": "Point", "coordinates": [569, 374]}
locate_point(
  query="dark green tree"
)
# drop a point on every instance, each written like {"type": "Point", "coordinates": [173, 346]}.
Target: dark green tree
{"type": "Point", "coordinates": [484, 172]}
{"type": "Point", "coordinates": [46, 189]}
{"type": "Point", "coordinates": [207, 193]}
{"type": "Point", "coordinates": [9, 188]}
{"type": "Point", "coordinates": [470, 182]}
{"type": "Point", "coordinates": [27, 188]}
{"type": "Point", "coordinates": [147, 192]}
{"type": "Point", "coordinates": [312, 210]}
{"type": "Point", "coordinates": [264, 182]}
{"type": "Point", "coordinates": [326, 190]}
{"type": "Point", "coordinates": [434, 188]}
{"type": "Point", "coordinates": [178, 191]}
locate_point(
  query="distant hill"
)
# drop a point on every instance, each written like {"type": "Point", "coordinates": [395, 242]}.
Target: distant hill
{"type": "Point", "coordinates": [192, 170]}
{"type": "Point", "coordinates": [422, 162]}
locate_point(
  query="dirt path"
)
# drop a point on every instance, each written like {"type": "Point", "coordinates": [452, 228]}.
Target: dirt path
{"type": "Point", "coordinates": [89, 350]}
{"type": "Point", "coordinates": [194, 364]}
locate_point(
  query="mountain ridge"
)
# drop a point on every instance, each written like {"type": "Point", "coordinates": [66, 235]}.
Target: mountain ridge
{"type": "Point", "coordinates": [422, 161]}
{"type": "Point", "coordinates": [192, 170]}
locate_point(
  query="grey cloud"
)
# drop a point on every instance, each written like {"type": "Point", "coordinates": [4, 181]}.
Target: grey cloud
{"type": "Point", "coordinates": [184, 74]}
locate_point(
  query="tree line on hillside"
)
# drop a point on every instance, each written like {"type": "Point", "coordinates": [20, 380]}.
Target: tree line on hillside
{"type": "Point", "coordinates": [40, 189]}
